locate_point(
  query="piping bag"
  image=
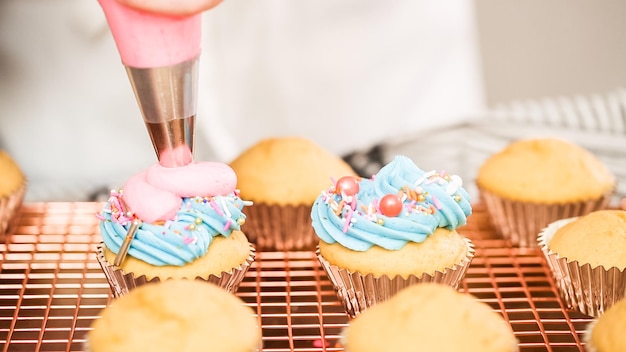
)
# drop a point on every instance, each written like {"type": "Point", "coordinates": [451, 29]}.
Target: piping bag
{"type": "Point", "coordinates": [160, 54]}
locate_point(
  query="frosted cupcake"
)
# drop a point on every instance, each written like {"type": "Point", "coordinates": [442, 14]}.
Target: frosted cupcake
{"type": "Point", "coordinates": [180, 223]}
{"type": "Point", "coordinates": [283, 176]}
{"type": "Point", "coordinates": [587, 256]}
{"type": "Point", "coordinates": [395, 229]}
{"type": "Point", "coordinates": [12, 190]}
{"type": "Point", "coordinates": [533, 182]}
{"type": "Point", "coordinates": [430, 317]}
{"type": "Point", "coordinates": [176, 315]}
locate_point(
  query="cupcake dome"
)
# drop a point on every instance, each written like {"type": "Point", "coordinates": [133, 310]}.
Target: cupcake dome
{"type": "Point", "coordinates": [603, 234]}
{"type": "Point", "coordinates": [176, 315]}
{"type": "Point", "coordinates": [286, 171]}
{"type": "Point", "coordinates": [430, 317]}
{"type": "Point", "coordinates": [12, 190]}
{"type": "Point", "coordinates": [606, 334]}
{"type": "Point", "coordinates": [546, 170]}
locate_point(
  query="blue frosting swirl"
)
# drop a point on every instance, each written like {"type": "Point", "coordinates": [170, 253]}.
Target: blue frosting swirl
{"type": "Point", "coordinates": [178, 241]}
{"type": "Point", "coordinates": [429, 200]}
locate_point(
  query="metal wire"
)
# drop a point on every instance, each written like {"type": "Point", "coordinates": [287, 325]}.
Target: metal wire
{"type": "Point", "coordinates": [51, 288]}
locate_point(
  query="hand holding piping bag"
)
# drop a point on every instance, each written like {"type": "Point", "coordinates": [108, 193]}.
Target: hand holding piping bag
{"type": "Point", "coordinates": [159, 44]}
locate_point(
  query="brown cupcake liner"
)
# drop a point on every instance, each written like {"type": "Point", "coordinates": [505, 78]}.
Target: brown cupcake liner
{"type": "Point", "coordinates": [9, 209]}
{"type": "Point", "coordinates": [121, 282]}
{"type": "Point", "coordinates": [357, 291]}
{"type": "Point", "coordinates": [588, 290]}
{"type": "Point", "coordinates": [280, 227]}
{"type": "Point", "coordinates": [520, 222]}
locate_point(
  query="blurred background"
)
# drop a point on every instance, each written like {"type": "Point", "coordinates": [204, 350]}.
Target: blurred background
{"type": "Point", "coordinates": [444, 83]}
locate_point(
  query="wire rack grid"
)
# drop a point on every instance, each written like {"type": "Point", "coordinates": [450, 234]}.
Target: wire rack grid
{"type": "Point", "coordinates": [51, 288]}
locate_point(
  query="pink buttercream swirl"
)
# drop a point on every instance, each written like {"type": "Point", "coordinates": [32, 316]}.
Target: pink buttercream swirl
{"type": "Point", "coordinates": [157, 193]}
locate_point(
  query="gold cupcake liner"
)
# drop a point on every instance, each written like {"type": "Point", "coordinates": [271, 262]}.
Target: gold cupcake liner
{"type": "Point", "coordinates": [357, 291]}
{"type": "Point", "coordinates": [121, 282]}
{"type": "Point", "coordinates": [520, 222]}
{"type": "Point", "coordinates": [9, 209]}
{"type": "Point", "coordinates": [280, 227]}
{"type": "Point", "coordinates": [589, 290]}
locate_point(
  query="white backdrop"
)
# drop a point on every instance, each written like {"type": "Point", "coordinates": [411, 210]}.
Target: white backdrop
{"type": "Point", "coordinates": [346, 74]}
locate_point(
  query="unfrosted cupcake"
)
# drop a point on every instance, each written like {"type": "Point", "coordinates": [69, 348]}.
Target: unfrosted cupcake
{"type": "Point", "coordinates": [587, 256]}
{"type": "Point", "coordinates": [283, 176]}
{"type": "Point", "coordinates": [188, 226]}
{"type": "Point", "coordinates": [175, 315]}
{"type": "Point", "coordinates": [533, 182]}
{"type": "Point", "coordinates": [398, 228]}
{"type": "Point", "coordinates": [430, 317]}
{"type": "Point", "coordinates": [606, 333]}
{"type": "Point", "coordinates": [12, 190]}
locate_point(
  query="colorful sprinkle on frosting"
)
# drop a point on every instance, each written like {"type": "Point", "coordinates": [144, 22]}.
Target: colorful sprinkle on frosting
{"type": "Point", "coordinates": [177, 241]}
{"type": "Point", "coordinates": [398, 205]}
{"type": "Point", "coordinates": [177, 226]}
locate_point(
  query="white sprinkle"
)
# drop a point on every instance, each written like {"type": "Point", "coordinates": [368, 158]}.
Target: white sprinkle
{"type": "Point", "coordinates": [457, 179]}
{"type": "Point", "coordinates": [225, 208]}
{"type": "Point", "coordinates": [452, 188]}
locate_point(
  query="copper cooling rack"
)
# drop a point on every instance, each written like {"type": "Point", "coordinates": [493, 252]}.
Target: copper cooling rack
{"type": "Point", "coordinates": [51, 288]}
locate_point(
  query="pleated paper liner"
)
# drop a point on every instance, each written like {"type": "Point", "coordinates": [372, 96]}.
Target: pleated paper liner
{"type": "Point", "coordinates": [588, 290]}
{"type": "Point", "coordinates": [121, 282]}
{"type": "Point", "coordinates": [520, 221]}
{"type": "Point", "coordinates": [280, 227]}
{"type": "Point", "coordinates": [357, 291]}
{"type": "Point", "coordinates": [9, 209]}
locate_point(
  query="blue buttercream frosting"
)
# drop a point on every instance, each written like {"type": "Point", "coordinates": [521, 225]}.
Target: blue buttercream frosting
{"type": "Point", "coordinates": [178, 241]}
{"type": "Point", "coordinates": [356, 221]}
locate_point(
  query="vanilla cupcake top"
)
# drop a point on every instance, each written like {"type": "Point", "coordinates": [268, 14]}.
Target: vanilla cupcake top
{"type": "Point", "coordinates": [286, 171]}
{"type": "Point", "coordinates": [545, 170]}
{"type": "Point", "coordinates": [181, 210]}
{"type": "Point", "coordinates": [12, 176]}
{"type": "Point", "coordinates": [598, 238]}
{"type": "Point", "coordinates": [607, 332]}
{"type": "Point", "coordinates": [430, 317]}
{"type": "Point", "coordinates": [176, 315]}
{"type": "Point", "coordinates": [400, 204]}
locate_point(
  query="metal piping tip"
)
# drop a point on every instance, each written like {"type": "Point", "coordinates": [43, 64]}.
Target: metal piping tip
{"type": "Point", "coordinates": [167, 98]}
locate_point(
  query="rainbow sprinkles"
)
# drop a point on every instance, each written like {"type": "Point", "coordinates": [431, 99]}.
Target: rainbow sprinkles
{"type": "Point", "coordinates": [401, 203]}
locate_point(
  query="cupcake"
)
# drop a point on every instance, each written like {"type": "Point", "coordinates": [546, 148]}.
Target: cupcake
{"type": "Point", "coordinates": [175, 315]}
{"type": "Point", "coordinates": [534, 182]}
{"type": "Point", "coordinates": [283, 176]}
{"type": "Point", "coordinates": [587, 256]}
{"type": "Point", "coordinates": [430, 317]}
{"type": "Point", "coordinates": [606, 334]}
{"type": "Point", "coordinates": [395, 229]}
{"type": "Point", "coordinates": [12, 190]}
{"type": "Point", "coordinates": [175, 223]}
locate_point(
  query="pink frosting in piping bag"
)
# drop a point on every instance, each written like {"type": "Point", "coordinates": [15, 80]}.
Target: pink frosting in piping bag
{"type": "Point", "coordinates": [149, 40]}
